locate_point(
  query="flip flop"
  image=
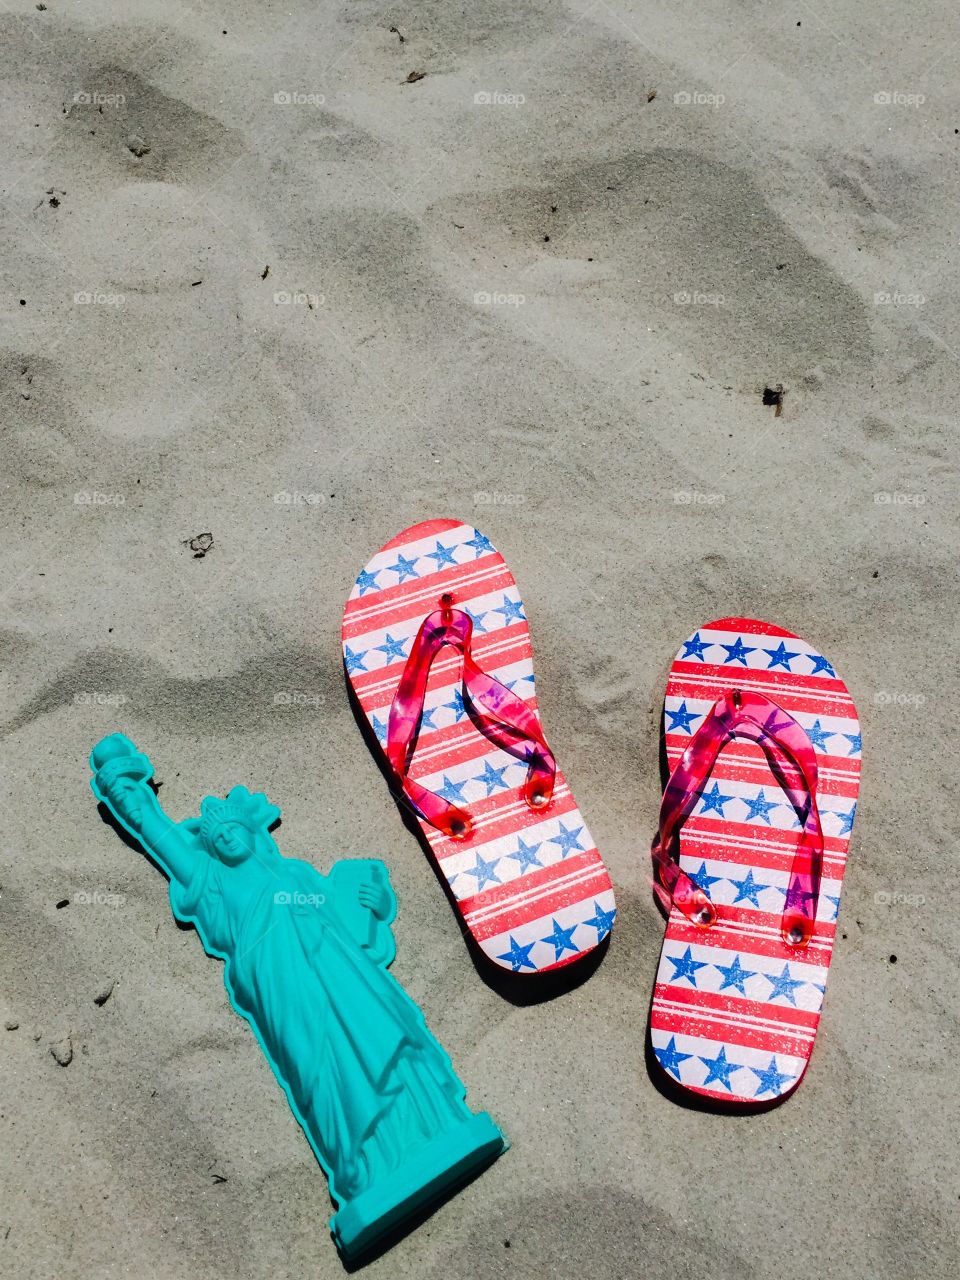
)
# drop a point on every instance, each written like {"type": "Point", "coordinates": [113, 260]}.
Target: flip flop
{"type": "Point", "coordinates": [763, 743]}
{"type": "Point", "coordinates": [437, 651]}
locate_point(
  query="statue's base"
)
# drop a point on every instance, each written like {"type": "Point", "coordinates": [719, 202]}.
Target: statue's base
{"type": "Point", "coordinates": [430, 1173]}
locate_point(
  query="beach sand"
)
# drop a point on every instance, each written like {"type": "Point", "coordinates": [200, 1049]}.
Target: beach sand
{"type": "Point", "coordinates": [258, 285]}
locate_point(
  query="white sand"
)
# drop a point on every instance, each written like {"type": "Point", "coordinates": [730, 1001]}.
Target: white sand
{"type": "Point", "coordinates": [698, 250]}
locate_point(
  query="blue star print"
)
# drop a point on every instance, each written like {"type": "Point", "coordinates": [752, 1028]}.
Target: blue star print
{"type": "Point", "coordinates": [855, 740]}
{"type": "Point", "coordinates": [737, 652]}
{"type": "Point", "coordinates": [561, 939]}
{"type": "Point", "coordinates": [821, 664]}
{"type": "Point", "coordinates": [451, 791]}
{"type": "Point", "coordinates": [457, 706]}
{"type": "Point", "coordinates": [353, 660]}
{"type": "Point", "coordinates": [747, 889]}
{"type": "Point", "coordinates": [720, 1069]}
{"type": "Point", "coordinates": [734, 975]}
{"type": "Point", "coordinates": [771, 1080]}
{"type": "Point", "coordinates": [512, 611]}
{"type": "Point", "coordinates": [526, 855]}
{"type": "Point", "coordinates": [484, 871]}
{"type": "Point", "coordinates": [818, 735]}
{"type": "Point", "coordinates": [702, 880]}
{"type": "Point", "coordinates": [669, 1057]}
{"type": "Point", "coordinates": [518, 957]}
{"type": "Point", "coordinates": [480, 544]}
{"type": "Point", "coordinates": [492, 778]}
{"type": "Point", "coordinates": [686, 967]}
{"type": "Point", "coordinates": [426, 719]}
{"type": "Point", "coordinates": [694, 648]}
{"type": "Point", "coordinates": [836, 905]}
{"type": "Point", "coordinates": [379, 728]}
{"type": "Point", "coordinates": [602, 921]}
{"type": "Point", "coordinates": [567, 840]}
{"type": "Point", "coordinates": [404, 568]}
{"type": "Point", "coordinates": [714, 801]}
{"type": "Point", "coordinates": [783, 986]}
{"type": "Point", "coordinates": [443, 555]}
{"type": "Point", "coordinates": [796, 897]}
{"type": "Point", "coordinates": [759, 807]}
{"type": "Point", "coordinates": [477, 620]}
{"type": "Point", "coordinates": [780, 657]}
{"type": "Point", "coordinates": [367, 581]}
{"type": "Point", "coordinates": [392, 648]}
{"type": "Point", "coordinates": [846, 820]}
{"type": "Point", "coordinates": [681, 719]}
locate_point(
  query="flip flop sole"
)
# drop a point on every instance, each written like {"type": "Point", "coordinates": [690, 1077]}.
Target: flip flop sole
{"type": "Point", "coordinates": [735, 1008]}
{"type": "Point", "coordinates": [530, 886]}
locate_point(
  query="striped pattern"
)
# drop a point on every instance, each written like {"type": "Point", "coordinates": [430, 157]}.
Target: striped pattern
{"type": "Point", "coordinates": [735, 1008]}
{"type": "Point", "coordinates": [530, 886]}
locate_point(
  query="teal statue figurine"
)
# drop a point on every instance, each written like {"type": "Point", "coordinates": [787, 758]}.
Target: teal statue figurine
{"type": "Point", "coordinates": [305, 962]}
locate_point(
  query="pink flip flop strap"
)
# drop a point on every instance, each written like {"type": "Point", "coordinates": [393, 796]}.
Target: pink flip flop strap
{"type": "Point", "coordinates": [500, 714]}
{"type": "Point", "coordinates": [753, 716]}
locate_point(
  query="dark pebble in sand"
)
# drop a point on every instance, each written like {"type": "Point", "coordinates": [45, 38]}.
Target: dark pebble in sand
{"type": "Point", "coordinates": [63, 1051]}
{"type": "Point", "coordinates": [105, 992]}
{"type": "Point", "coordinates": [10, 1025]}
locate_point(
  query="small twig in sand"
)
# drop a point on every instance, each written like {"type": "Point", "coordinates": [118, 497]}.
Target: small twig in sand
{"type": "Point", "coordinates": [396, 31]}
{"type": "Point", "coordinates": [414, 76]}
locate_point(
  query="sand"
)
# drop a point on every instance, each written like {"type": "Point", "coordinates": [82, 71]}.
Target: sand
{"type": "Point", "coordinates": [259, 286]}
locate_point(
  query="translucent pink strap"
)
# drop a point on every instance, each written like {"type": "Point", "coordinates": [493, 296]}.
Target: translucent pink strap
{"type": "Point", "coordinates": [502, 717]}
{"type": "Point", "coordinates": [751, 716]}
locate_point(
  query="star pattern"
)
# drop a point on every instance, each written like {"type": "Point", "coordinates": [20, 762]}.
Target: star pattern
{"type": "Point", "coordinates": [561, 939]}
{"type": "Point", "coordinates": [353, 660]}
{"type": "Point", "coordinates": [686, 967]}
{"type": "Point", "coordinates": [518, 956]}
{"type": "Point", "coordinates": [512, 611]}
{"type": "Point", "coordinates": [747, 889]}
{"type": "Point", "coordinates": [451, 791]}
{"type": "Point", "coordinates": [681, 719]}
{"type": "Point", "coordinates": [379, 727]}
{"type": "Point", "coordinates": [855, 743]}
{"type": "Point", "coordinates": [821, 664]}
{"type": "Point", "coordinates": [770, 1079]}
{"type": "Point", "coordinates": [796, 897]}
{"type": "Point", "coordinates": [485, 872]}
{"type": "Point", "coordinates": [404, 569]}
{"type": "Point", "coordinates": [818, 735]}
{"type": "Point", "coordinates": [783, 986]}
{"type": "Point", "coordinates": [392, 648]}
{"type": "Point", "coordinates": [719, 1069]}
{"type": "Point", "coordinates": [737, 652]}
{"type": "Point", "coordinates": [492, 778]}
{"type": "Point", "coordinates": [670, 1058]}
{"type": "Point", "coordinates": [367, 581]}
{"type": "Point", "coordinates": [481, 545]}
{"type": "Point", "coordinates": [702, 878]}
{"type": "Point", "coordinates": [457, 706]}
{"type": "Point", "coordinates": [759, 807]}
{"type": "Point", "coordinates": [694, 648]}
{"type": "Point", "coordinates": [568, 841]}
{"type": "Point", "coordinates": [477, 619]}
{"type": "Point", "coordinates": [443, 556]}
{"type": "Point", "coordinates": [780, 657]}
{"type": "Point", "coordinates": [734, 975]}
{"type": "Point", "coordinates": [526, 855]}
{"type": "Point", "coordinates": [713, 801]}
{"type": "Point", "coordinates": [602, 921]}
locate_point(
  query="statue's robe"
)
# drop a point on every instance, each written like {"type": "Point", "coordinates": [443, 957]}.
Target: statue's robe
{"type": "Point", "coordinates": [332, 1021]}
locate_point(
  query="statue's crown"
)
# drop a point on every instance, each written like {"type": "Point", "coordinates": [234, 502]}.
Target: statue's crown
{"type": "Point", "coordinates": [251, 810]}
